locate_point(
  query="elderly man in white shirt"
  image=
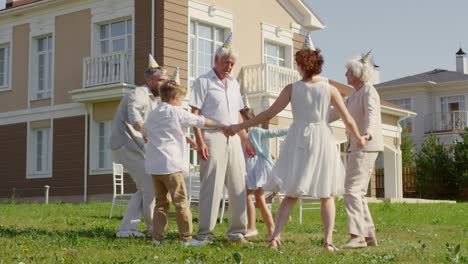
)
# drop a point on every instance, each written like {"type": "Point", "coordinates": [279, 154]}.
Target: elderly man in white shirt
{"type": "Point", "coordinates": [217, 96]}
{"type": "Point", "coordinates": [128, 148]}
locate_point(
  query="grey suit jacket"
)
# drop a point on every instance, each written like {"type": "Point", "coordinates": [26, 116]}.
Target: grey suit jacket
{"type": "Point", "coordinates": [364, 107]}
{"type": "Point", "coordinates": [134, 107]}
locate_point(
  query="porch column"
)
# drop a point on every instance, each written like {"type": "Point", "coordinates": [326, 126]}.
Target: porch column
{"type": "Point", "coordinates": [390, 172]}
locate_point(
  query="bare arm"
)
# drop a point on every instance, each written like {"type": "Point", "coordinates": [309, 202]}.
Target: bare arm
{"type": "Point", "coordinates": [342, 111]}
{"type": "Point", "coordinates": [281, 102]}
{"type": "Point", "coordinates": [212, 124]}
{"type": "Point", "coordinates": [202, 148]}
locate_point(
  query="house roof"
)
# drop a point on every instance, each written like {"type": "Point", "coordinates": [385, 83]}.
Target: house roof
{"type": "Point", "coordinates": [15, 3]}
{"type": "Point", "coordinates": [435, 76]}
{"type": "Point", "coordinates": [347, 90]}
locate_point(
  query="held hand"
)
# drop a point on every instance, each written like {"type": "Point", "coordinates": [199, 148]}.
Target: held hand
{"type": "Point", "coordinates": [145, 138]}
{"type": "Point", "coordinates": [231, 130]}
{"type": "Point", "coordinates": [362, 141]}
{"type": "Point", "coordinates": [248, 148]}
{"type": "Point", "coordinates": [192, 143]}
{"type": "Point", "coordinates": [202, 151]}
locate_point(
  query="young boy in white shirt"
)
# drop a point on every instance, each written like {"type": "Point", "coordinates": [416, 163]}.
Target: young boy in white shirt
{"type": "Point", "coordinates": [166, 160]}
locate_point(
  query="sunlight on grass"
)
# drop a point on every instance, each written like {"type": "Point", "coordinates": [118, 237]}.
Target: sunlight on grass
{"type": "Point", "coordinates": [82, 233]}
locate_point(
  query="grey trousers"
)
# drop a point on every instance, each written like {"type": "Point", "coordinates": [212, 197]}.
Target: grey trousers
{"type": "Point", "coordinates": [142, 202]}
{"type": "Point", "coordinates": [225, 166]}
{"type": "Point", "coordinates": [358, 173]}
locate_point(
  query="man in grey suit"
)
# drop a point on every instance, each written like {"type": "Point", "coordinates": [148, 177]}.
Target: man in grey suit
{"type": "Point", "coordinates": [127, 144]}
{"type": "Point", "coordinates": [364, 107]}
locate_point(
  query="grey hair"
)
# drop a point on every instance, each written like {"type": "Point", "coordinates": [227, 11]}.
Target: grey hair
{"type": "Point", "coordinates": [362, 71]}
{"type": "Point", "coordinates": [222, 51]}
{"type": "Point", "coordinates": [149, 73]}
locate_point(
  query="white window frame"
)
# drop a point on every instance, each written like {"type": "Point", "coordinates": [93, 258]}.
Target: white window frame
{"type": "Point", "coordinates": [460, 99]}
{"type": "Point", "coordinates": [195, 37]}
{"type": "Point", "coordinates": [280, 36]}
{"type": "Point", "coordinates": [98, 39]}
{"type": "Point", "coordinates": [34, 68]}
{"type": "Point", "coordinates": [95, 151]}
{"type": "Point", "coordinates": [277, 56]}
{"type": "Point", "coordinates": [408, 104]}
{"type": "Point", "coordinates": [7, 66]}
{"type": "Point", "coordinates": [32, 173]}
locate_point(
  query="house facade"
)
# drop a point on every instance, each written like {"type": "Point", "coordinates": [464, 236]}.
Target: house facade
{"type": "Point", "coordinates": [65, 65]}
{"type": "Point", "coordinates": [438, 96]}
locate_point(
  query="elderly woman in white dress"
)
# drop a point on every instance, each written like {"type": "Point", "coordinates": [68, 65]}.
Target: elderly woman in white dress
{"type": "Point", "coordinates": [364, 106]}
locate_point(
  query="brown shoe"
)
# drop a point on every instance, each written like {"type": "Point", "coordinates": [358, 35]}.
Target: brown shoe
{"type": "Point", "coordinates": [372, 242]}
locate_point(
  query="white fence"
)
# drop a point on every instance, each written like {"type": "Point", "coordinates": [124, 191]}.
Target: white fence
{"type": "Point", "coordinates": [449, 121]}
{"type": "Point", "coordinates": [266, 78]}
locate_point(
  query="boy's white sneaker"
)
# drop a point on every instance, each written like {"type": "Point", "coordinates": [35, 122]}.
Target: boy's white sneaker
{"type": "Point", "coordinates": [193, 243]}
{"type": "Point", "coordinates": [129, 233]}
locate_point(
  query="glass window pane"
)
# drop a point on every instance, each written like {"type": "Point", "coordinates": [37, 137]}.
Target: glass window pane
{"type": "Point", "coordinates": [41, 44]}
{"type": "Point", "coordinates": [104, 47]}
{"type": "Point", "coordinates": [220, 34]}
{"type": "Point", "coordinates": [270, 60]}
{"type": "Point", "coordinates": [205, 32]}
{"type": "Point", "coordinates": [129, 43]}
{"type": "Point", "coordinates": [39, 151]}
{"type": "Point", "coordinates": [281, 63]}
{"type": "Point", "coordinates": [129, 27]}
{"type": "Point", "coordinates": [281, 53]}
{"type": "Point", "coordinates": [49, 71]}
{"type": "Point", "coordinates": [118, 45]}
{"type": "Point", "coordinates": [41, 72]}
{"type": "Point", "coordinates": [271, 50]}
{"type": "Point", "coordinates": [104, 31]}
{"type": "Point", "coordinates": [49, 43]}
{"type": "Point", "coordinates": [118, 29]}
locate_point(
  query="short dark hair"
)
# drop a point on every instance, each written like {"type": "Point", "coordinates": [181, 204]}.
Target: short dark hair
{"type": "Point", "coordinates": [169, 89]}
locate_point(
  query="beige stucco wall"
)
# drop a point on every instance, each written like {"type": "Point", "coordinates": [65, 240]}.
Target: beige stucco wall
{"type": "Point", "coordinates": [72, 45]}
{"type": "Point", "coordinates": [105, 111]}
{"type": "Point", "coordinates": [247, 18]}
{"type": "Point", "coordinates": [390, 141]}
{"type": "Point", "coordinates": [17, 98]}
{"type": "Point", "coordinates": [389, 119]}
{"type": "Point", "coordinates": [40, 103]}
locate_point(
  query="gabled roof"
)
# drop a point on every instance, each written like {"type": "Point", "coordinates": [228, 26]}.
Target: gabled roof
{"type": "Point", "coordinates": [435, 77]}
{"type": "Point", "coordinates": [346, 90]}
{"type": "Point", "coordinates": [15, 3]}
{"type": "Point", "coordinates": [303, 14]}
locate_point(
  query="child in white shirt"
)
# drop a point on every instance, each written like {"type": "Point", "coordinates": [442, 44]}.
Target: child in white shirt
{"type": "Point", "coordinates": [166, 160]}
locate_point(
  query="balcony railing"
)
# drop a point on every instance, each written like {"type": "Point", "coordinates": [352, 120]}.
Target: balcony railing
{"type": "Point", "coordinates": [445, 122]}
{"type": "Point", "coordinates": [266, 78]}
{"type": "Point", "coordinates": [107, 69]}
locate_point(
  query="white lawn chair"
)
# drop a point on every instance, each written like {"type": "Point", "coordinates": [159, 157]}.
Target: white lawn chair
{"type": "Point", "coordinates": [311, 204]}
{"type": "Point", "coordinates": [224, 199]}
{"type": "Point", "coordinates": [192, 181]}
{"type": "Point", "coordinates": [118, 185]}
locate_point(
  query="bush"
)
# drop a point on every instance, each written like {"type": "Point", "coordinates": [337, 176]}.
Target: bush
{"type": "Point", "coordinates": [460, 156]}
{"type": "Point", "coordinates": [407, 147]}
{"type": "Point", "coordinates": [435, 172]}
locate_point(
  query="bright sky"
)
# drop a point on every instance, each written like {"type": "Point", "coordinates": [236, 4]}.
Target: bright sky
{"type": "Point", "coordinates": [407, 36]}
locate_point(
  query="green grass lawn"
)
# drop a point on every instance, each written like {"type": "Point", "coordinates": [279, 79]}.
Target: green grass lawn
{"type": "Point", "coordinates": [82, 233]}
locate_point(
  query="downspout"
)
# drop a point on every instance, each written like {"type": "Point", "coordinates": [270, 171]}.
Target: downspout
{"type": "Point", "coordinates": [152, 27]}
{"type": "Point", "coordinates": [399, 169]}
{"type": "Point", "coordinates": [85, 174]}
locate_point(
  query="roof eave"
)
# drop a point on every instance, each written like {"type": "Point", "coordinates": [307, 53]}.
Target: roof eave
{"type": "Point", "coordinates": [397, 111]}
{"type": "Point", "coordinates": [302, 14]}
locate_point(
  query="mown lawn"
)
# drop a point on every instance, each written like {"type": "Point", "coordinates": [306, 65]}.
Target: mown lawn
{"type": "Point", "coordinates": [82, 233]}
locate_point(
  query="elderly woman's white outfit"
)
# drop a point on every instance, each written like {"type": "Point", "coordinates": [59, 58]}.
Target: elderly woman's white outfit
{"type": "Point", "coordinates": [364, 107]}
{"type": "Point", "coordinates": [225, 165]}
{"type": "Point", "coordinates": [309, 162]}
{"type": "Point", "coordinates": [128, 148]}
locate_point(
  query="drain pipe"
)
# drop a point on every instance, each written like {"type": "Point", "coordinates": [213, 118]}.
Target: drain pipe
{"type": "Point", "coordinates": [152, 27]}
{"type": "Point", "coordinates": [85, 169]}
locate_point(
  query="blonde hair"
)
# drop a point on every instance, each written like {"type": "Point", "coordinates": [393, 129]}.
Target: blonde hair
{"type": "Point", "coordinates": [169, 89]}
{"type": "Point", "coordinates": [360, 70]}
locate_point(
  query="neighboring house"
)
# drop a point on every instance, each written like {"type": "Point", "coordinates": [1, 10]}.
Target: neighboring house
{"type": "Point", "coordinates": [440, 97]}
{"type": "Point", "coordinates": [65, 65]}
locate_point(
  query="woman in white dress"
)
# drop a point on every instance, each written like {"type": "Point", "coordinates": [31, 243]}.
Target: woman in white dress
{"type": "Point", "coordinates": [309, 162]}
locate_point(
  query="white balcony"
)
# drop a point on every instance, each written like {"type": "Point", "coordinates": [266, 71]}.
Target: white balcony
{"type": "Point", "coordinates": [107, 69]}
{"type": "Point", "coordinates": [266, 79]}
{"type": "Point", "coordinates": [454, 121]}
{"type": "Point", "coordinates": [105, 77]}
